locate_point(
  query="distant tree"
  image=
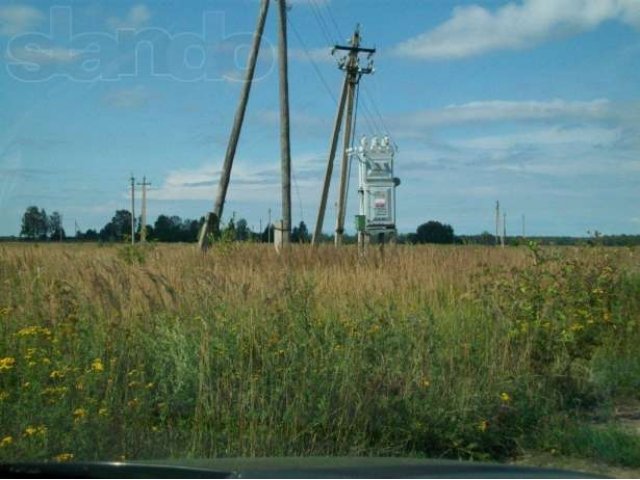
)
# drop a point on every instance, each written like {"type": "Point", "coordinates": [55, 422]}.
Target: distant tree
{"type": "Point", "coordinates": [174, 229]}
{"type": "Point", "coordinates": [56, 231]}
{"type": "Point", "coordinates": [268, 233]}
{"type": "Point", "coordinates": [242, 230]}
{"type": "Point", "coordinates": [435, 232]}
{"type": "Point", "coordinates": [90, 234]}
{"type": "Point", "coordinates": [35, 224]}
{"type": "Point", "coordinates": [118, 227]}
{"type": "Point", "coordinates": [300, 234]}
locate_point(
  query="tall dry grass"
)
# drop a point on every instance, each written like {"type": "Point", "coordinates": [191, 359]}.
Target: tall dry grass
{"type": "Point", "coordinates": [118, 352]}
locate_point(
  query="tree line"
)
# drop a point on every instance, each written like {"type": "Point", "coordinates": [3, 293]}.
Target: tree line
{"type": "Point", "coordinates": [37, 225]}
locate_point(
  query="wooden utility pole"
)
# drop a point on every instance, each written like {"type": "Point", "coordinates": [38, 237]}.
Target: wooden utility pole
{"type": "Point", "coordinates": [353, 74]}
{"type": "Point", "coordinates": [212, 222]}
{"type": "Point", "coordinates": [133, 210]}
{"type": "Point", "coordinates": [285, 148]}
{"type": "Point", "coordinates": [143, 214]}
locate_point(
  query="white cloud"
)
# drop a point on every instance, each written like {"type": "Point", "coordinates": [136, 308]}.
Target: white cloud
{"type": "Point", "coordinates": [15, 19]}
{"type": "Point", "coordinates": [128, 98]}
{"type": "Point", "coordinates": [138, 16]}
{"type": "Point", "coordinates": [253, 183]}
{"type": "Point", "coordinates": [414, 124]}
{"type": "Point", "coordinates": [551, 137]}
{"type": "Point", "coordinates": [473, 30]}
{"type": "Point", "coordinates": [318, 55]}
{"type": "Point", "coordinates": [44, 55]}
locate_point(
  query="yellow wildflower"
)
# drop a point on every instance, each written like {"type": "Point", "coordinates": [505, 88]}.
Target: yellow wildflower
{"type": "Point", "coordinates": [6, 441]}
{"type": "Point", "coordinates": [3, 396]}
{"type": "Point", "coordinates": [7, 363]}
{"type": "Point", "coordinates": [425, 383]}
{"type": "Point", "coordinates": [46, 361]}
{"type": "Point", "coordinates": [32, 364]}
{"type": "Point", "coordinates": [483, 425]}
{"type": "Point", "coordinates": [97, 365]}
{"type": "Point", "coordinates": [27, 331]}
{"type": "Point", "coordinates": [79, 413]}
{"type": "Point", "coordinates": [63, 457]}
{"type": "Point", "coordinates": [56, 374]}
{"type": "Point", "coordinates": [149, 385]}
{"type": "Point", "coordinates": [103, 412]}
{"type": "Point", "coordinates": [32, 431]}
{"type": "Point", "coordinates": [30, 353]}
{"type": "Point", "coordinates": [505, 397]}
{"type": "Point", "coordinates": [133, 402]}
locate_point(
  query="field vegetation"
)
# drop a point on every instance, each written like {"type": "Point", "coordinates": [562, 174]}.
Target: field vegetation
{"type": "Point", "coordinates": [115, 352]}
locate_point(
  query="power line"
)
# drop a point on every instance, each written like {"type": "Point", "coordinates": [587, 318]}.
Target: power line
{"type": "Point", "coordinates": [313, 62]}
{"type": "Point", "coordinates": [333, 20]}
{"type": "Point", "coordinates": [321, 22]}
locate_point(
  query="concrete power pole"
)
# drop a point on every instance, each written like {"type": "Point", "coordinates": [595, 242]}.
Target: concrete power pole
{"type": "Point", "coordinates": [143, 214]}
{"type": "Point", "coordinates": [133, 210]}
{"type": "Point", "coordinates": [353, 74]}
{"type": "Point", "coordinates": [497, 238]}
{"type": "Point", "coordinates": [212, 222]}
{"type": "Point", "coordinates": [332, 154]}
{"type": "Point", "coordinates": [285, 148]}
{"type": "Point", "coordinates": [504, 228]}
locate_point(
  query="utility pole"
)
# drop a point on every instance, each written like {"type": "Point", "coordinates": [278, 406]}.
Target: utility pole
{"type": "Point", "coordinates": [133, 210]}
{"type": "Point", "coordinates": [353, 73]}
{"type": "Point", "coordinates": [212, 222]}
{"type": "Point", "coordinates": [497, 238]}
{"type": "Point", "coordinates": [523, 229]}
{"type": "Point", "coordinates": [285, 148]}
{"type": "Point", "coordinates": [143, 215]}
{"type": "Point", "coordinates": [332, 154]}
{"type": "Point", "coordinates": [351, 65]}
{"type": "Point", "coordinates": [269, 228]}
{"type": "Point", "coordinates": [504, 227]}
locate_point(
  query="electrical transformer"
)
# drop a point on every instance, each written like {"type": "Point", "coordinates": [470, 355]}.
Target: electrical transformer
{"type": "Point", "coordinates": [377, 189]}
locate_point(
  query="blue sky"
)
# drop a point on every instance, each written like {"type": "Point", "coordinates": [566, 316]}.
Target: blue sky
{"type": "Point", "coordinates": [535, 103]}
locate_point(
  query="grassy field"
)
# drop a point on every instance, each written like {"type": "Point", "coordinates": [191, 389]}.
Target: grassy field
{"type": "Point", "coordinates": [112, 352]}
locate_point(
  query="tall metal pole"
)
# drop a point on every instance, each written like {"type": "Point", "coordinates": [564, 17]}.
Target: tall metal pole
{"type": "Point", "coordinates": [225, 174]}
{"type": "Point", "coordinates": [332, 153]}
{"type": "Point", "coordinates": [133, 210]}
{"type": "Point", "coordinates": [285, 148]}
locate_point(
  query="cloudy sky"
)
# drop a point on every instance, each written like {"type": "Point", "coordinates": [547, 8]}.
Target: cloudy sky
{"type": "Point", "coordinates": [535, 103]}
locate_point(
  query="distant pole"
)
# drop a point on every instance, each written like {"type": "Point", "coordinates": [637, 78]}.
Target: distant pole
{"type": "Point", "coordinates": [497, 238]}
{"type": "Point", "coordinates": [143, 215]}
{"type": "Point", "coordinates": [269, 228]}
{"type": "Point", "coordinates": [504, 227]}
{"type": "Point", "coordinates": [285, 148]}
{"type": "Point", "coordinates": [225, 175]}
{"type": "Point", "coordinates": [524, 233]}
{"type": "Point", "coordinates": [260, 230]}
{"type": "Point", "coordinates": [133, 210]}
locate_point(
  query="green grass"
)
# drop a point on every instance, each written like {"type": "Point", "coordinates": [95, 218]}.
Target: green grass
{"type": "Point", "coordinates": [462, 352]}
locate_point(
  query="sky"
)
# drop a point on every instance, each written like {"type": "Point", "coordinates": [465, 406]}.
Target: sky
{"type": "Point", "coordinates": [535, 103]}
